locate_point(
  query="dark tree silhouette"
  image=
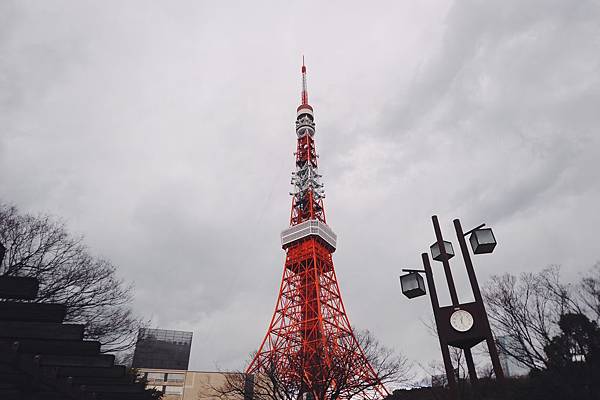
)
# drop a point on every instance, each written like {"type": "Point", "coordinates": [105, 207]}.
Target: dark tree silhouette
{"type": "Point", "coordinates": [526, 311]}
{"type": "Point", "coordinates": [573, 362]}
{"type": "Point", "coordinates": [578, 343]}
{"type": "Point", "coordinates": [41, 247]}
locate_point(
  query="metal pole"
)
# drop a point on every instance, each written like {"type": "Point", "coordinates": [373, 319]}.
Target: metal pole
{"type": "Point", "coordinates": [443, 345]}
{"type": "Point", "coordinates": [447, 271]}
{"type": "Point", "coordinates": [478, 298]}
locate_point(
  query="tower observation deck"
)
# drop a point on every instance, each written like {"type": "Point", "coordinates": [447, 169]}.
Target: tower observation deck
{"type": "Point", "coordinates": [309, 344]}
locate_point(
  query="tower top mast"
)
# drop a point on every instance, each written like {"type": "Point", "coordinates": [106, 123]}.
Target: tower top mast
{"type": "Point", "coordinates": [304, 88]}
{"type": "Point", "coordinates": [308, 194]}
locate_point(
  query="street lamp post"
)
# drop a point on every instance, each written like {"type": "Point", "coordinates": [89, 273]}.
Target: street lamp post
{"type": "Point", "coordinates": [459, 325]}
{"type": "Point", "coordinates": [453, 295]}
{"type": "Point", "coordinates": [435, 305]}
{"type": "Point", "coordinates": [491, 244]}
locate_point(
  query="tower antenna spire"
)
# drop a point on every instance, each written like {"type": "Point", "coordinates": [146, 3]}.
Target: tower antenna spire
{"type": "Point", "coordinates": [304, 89]}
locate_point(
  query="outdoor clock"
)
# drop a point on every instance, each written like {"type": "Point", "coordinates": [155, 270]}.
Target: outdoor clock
{"type": "Point", "coordinates": [461, 320]}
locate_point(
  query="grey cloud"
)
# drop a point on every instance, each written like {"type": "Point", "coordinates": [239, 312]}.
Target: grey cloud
{"type": "Point", "coordinates": [164, 133]}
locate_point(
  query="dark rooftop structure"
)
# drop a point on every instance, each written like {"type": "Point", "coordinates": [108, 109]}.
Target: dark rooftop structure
{"type": "Point", "coordinates": [43, 358]}
{"type": "Point", "coordinates": [163, 349]}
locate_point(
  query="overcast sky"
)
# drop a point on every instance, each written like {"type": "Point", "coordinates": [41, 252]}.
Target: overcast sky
{"type": "Point", "coordinates": [164, 131]}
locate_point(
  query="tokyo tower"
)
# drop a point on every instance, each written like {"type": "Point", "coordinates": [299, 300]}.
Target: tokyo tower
{"type": "Point", "coordinates": [310, 342]}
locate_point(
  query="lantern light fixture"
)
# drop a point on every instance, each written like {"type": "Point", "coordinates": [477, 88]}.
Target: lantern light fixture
{"type": "Point", "coordinates": [482, 241]}
{"type": "Point", "coordinates": [437, 254]}
{"type": "Point", "coordinates": [412, 283]}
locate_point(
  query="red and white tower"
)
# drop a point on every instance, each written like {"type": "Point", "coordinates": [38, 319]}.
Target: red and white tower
{"type": "Point", "coordinates": [310, 337]}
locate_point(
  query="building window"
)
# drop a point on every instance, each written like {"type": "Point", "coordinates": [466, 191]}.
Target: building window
{"type": "Point", "coordinates": [175, 377]}
{"type": "Point", "coordinates": [156, 376]}
{"type": "Point", "coordinates": [173, 389]}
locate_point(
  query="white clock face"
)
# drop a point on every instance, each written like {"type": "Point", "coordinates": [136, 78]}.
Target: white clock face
{"type": "Point", "coordinates": [461, 320]}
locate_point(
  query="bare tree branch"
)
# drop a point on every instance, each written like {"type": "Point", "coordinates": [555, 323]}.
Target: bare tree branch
{"type": "Point", "coordinates": [525, 312]}
{"type": "Point", "coordinates": [41, 247]}
{"type": "Point", "coordinates": [589, 293]}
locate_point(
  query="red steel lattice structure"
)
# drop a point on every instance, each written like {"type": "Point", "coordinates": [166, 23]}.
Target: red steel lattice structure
{"type": "Point", "coordinates": [310, 332]}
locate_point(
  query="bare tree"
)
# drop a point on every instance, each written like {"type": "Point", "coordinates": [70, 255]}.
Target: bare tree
{"type": "Point", "coordinates": [41, 247]}
{"type": "Point", "coordinates": [525, 312]}
{"type": "Point", "coordinates": [588, 293]}
{"type": "Point", "coordinates": [389, 368]}
{"type": "Point", "coordinates": [270, 385]}
{"type": "Point", "coordinates": [437, 369]}
{"type": "Point", "coordinates": [336, 378]}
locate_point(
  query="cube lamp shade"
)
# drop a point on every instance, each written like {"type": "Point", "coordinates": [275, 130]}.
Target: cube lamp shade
{"type": "Point", "coordinates": [482, 241]}
{"type": "Point", "coordinates": [412, 284]}
{"type": "Point", "coordinates": [436, 252]}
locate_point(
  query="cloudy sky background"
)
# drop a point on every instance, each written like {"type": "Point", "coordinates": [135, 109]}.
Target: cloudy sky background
{"type": "Point", "coordinates": [163, 132]}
